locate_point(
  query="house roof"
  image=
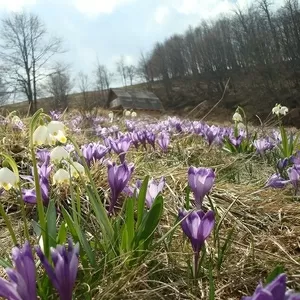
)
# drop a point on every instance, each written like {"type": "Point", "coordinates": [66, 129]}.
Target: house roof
{"type": "Point", "coordinates": [134, 99]}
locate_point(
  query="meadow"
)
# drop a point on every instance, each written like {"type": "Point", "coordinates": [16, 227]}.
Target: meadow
{"type": "Point", "coordinates": [100, 206]}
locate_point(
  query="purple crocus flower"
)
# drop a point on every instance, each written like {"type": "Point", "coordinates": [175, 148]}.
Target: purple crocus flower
{"type": "Point", "coordinates": [262, 145]}
{"type": "Point", "coordinates": [151, 138]}
{"type": "Point", "coordinates": [93, 152]}
{"type": "Point", "coordinates": [134, 139]}
{"type": "Point", "coordinates": [276, 181]}
{"type": "Point", "coordinates": [295, 159]}
{"type": "Point", "coordinates": [154, 188]}
{"type": "Point", "coordinates": [55, 115]}
{"type": "Point", "coordinates": [22, 284]}
{"type": "Point", "coordinates": [63, 275]}
{"type": "Point", "coordinates": [121, 146]}
{"type": "Point", "coordinates": [276, 290]}
{"type": "Point", "coordinates": [163, 140]}
{"type": "Point", "coordinates": [282, 164]}
{"type": "Point", "coordinates": [211, 132]}
{"type": "Point", "coordinates": [43, 156]}
{"type": "Point", "coordinates": [142, 136]}
{"type": "Point", "coordinates": [236, 141]}
{"type": "Point", "coordinates": [200, 181]}
{"type": "Point", "coordinates": [118, 177]}
{"type": "Point", "coordinates": [29, 195]}
{"type": "Point", "coordinates": [197, 226]}
{"type": "Point", "coordinates": [294, 177]}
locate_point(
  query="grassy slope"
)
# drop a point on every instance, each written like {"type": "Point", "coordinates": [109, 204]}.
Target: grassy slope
{"type": "Point", "coordinates": [265, 222]}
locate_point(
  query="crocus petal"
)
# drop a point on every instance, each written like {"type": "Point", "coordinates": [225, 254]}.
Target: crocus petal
{"type": "Point", "coordinates": [8, 290]}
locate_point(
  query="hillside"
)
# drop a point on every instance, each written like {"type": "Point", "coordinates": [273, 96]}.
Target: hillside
{"type": "Point", "coordinates": [183, 95]}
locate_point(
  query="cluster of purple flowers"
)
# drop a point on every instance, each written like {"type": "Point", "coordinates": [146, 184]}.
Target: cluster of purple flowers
{"type": "Point", "coordinates": [22, 278]}
{"type": "Point", "coordinates": [288, 171]}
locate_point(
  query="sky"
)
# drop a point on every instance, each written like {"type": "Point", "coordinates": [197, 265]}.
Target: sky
{"type": "Point", "coordinates": [104, 30]}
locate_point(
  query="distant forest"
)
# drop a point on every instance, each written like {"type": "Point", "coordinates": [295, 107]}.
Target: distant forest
{"type": "Point", "coordinates": [262, 44]}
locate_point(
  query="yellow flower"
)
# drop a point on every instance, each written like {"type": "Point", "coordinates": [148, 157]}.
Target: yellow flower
{"type": "Point", "coordinates": [61, 176]}
{"type": "Point", "coordinates": [8, 178]}
{"type": "Point", "coordinates": [60, 136]}
{"type": "Point", "coordinates": [133, 114]}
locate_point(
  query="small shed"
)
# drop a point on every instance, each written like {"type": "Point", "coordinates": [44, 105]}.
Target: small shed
{"type": "Point", "coordinates": [119, 99]}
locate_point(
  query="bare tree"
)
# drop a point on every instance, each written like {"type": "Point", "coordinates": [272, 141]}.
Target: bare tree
{"type": "Point", "coordinates": [131, 72]}
{"type": "Point", "coordinates": [145, 69]}
{"type": "Point", "coordinates": [122, 70]}
{"type": "Point", "coordinates": [4, 92]}
{"type": "Point", "coordinates": [25, 50]}
{"type": "Point", "coordinates": [103, 80]}
{"type": "Point", "coordinates": [59, 85]}
{"type": "Point", "coordinates": [83, 84]}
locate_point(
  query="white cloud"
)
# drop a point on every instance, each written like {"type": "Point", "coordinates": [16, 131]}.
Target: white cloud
{"type": "Point", "coordinates": [205, 9]}
{"type": "Point", "coordinates": [15, 5]}
{"type": "Point", "coordinates": [161, 13]}
{"type": "Point", "coordinates": [94, 7]}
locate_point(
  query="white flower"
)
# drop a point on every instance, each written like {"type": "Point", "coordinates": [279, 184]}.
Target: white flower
{"type": "Point", "coordinates": [283, 110]}
{"type": "Point", "coordinates": [241, 126]}
{"type": "Point", "coordinates": [60, 136]}
{"type": "Point", "coordinates": [111, 116]}
{"type": "Point", "coordinates": [133, 114]}
{"type": "Point", "coordinates": [16, 120]}
{"type": "Point", "coordinates": [8, 178]}
{"type": "Point", "coordinates": [41, 135]}
{"type": "Point", "coordinates": [77, 169]}
{"type": "Point", "coordinates": [55, 126]}
{"type": "Point", "coordinates": [237, 117]}
{"type": "Point", "coordinates": [280, 110]}
{"type": "Point", "coordinates": [58, 153]}
{"type": "Point", "coordinates": [276, 109]}
{"type": "Point", "coordinates": [126, 113]}
{"type": "Point", "coordinates": [61, 176]}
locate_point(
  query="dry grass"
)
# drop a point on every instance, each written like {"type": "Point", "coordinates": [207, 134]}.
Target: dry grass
{"type": "Point", "coordinates": [265, 221]}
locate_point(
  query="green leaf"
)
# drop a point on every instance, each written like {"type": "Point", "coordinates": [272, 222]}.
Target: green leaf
{"type": "Point", "coordinates": [187, 197]}
{"type": "Point", "coordinates": [149, 224]}
{"type": "Point", "coordinates": [69, 223]}
{"type": "Point", "coordinates": [101, 216]}
{"type": "Point", "coordinates": [62, 234]}
{"type": "Point", "coordinates": [211, 282]}
{"type": "Point", "coordinates": [224, 249]}
{"type": "Point", "coordinates": [141, 201]}
{"type": "Point", "coordinates": [277, 270]}
{"type": "Point", "coordinates": [51, 223]}
{"type": "Point", "coordinates": [78, 234]}
{"type": "Point", "coordinates": [129, 215]}
{"type": "Point", "coordinates": [5, 263]}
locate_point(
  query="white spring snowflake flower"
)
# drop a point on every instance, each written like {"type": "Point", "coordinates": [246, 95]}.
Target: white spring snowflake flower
{"type": "Point", "coordinates": [237, 117]}
{"type": "Point", "coordinates": [61, 177]}
{"type": "Point", "coordinates": [58, 154]}
{"type": "Point", "coordinates": [8, 178]}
